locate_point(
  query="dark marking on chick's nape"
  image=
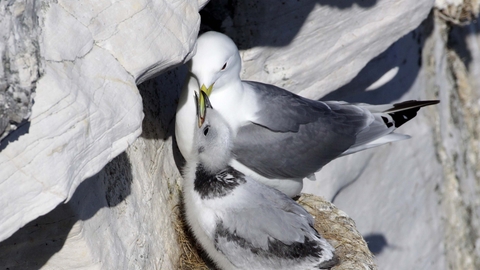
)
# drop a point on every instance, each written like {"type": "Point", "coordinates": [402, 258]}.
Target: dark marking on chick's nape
{"type": "Point", "coordinates": [211, 186]}
{"type": "Point", "coordinates": [276, 248]}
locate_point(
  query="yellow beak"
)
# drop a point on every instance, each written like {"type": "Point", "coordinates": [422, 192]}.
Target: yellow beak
{"type": "Point", "coordinates": [202, 104]}
{"type": "Point", "coordinates": [208, 90]}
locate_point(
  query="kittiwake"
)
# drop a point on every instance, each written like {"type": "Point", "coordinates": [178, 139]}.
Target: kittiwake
{"type": "Point", "coordinates": [279, 137]}
{"type": "Point", "coordinates": [241, 223]}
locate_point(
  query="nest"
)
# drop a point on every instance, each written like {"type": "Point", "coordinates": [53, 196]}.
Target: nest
{"type": "Point", "coordinates": [332, 223]}
{"type": "Point", "coordinates": [192, 255]}
{"type": "Point", "coordinates": [335, 226]}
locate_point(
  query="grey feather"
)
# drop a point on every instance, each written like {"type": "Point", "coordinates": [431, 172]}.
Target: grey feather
{"type": "Point", "coordinates": [287, 222]}
{"type": "Point", "coordinates": [295, 137]}
{"type": "Point", "coordinates": [241, 223]}
{"type": "Point", "coordinates": [283, 111]}
{"type": "Point", "coordinates": [269, 224]}
{"type": "Point", "coordinates": [379, 131]}
{"type": "Point", "coordinates": [293, 130]}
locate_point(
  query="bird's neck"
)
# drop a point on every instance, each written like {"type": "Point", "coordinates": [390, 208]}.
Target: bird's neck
{"type": "Point", "coordinates": [186, 117]}
{"type": "Point", "coordinates": [228, 85]}
{"type": "Point", "coordinates": [229, 100]}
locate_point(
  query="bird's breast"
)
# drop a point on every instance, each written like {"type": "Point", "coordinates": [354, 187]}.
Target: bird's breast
{"type": "Point", "coordinates": [185, 118]}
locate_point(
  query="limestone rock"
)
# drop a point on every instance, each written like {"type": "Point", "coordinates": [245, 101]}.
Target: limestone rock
{"type": "Point", "coordinates": [423, 190]}
{"type": "Point", "coordinates": [460, 12]}
{"type": "Point", "coordinates": [20, 67]}
{"type": "Point", "coordinates": [87, 108]}
{"type": "Point", "coordinates": [455, 71]}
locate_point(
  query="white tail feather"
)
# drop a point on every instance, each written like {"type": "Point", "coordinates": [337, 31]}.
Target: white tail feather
{"type": "Point", "coordinates": [392, 137]}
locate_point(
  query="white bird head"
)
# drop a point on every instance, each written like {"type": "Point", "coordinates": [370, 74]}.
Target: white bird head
{"type": "Point", "coordinates": [216, 63]}
{"type": "Point", "coordinates": [213, 137]}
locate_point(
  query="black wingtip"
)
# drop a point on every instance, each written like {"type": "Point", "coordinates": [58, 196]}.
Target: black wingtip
{"type": "Point", "coordinates": [404, 111]}
{"type": "Point", "coordinates": [402, 117]}
{"type": "Point", "coordinates": [410, 104]}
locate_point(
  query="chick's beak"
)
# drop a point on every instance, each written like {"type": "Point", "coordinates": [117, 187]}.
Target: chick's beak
{"type": "Point", "coordinates": [202, 104]}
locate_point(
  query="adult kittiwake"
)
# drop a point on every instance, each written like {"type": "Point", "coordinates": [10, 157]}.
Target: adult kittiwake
{"type": "Point", "coordinates": [279, 137]}
{"type": "Point", "coordinates": [241, 223]}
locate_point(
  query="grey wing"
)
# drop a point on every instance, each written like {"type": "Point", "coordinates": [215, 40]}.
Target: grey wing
{"type": "Point", "coordinates": [269, 218]}
{"type": "Point", "coordinates": [278, 217]}
{"type": "Point", "coordinates": [293, 136]}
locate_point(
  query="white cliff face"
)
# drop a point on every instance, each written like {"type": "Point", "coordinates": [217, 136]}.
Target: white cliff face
{"type": "Point", "coordinates": [457, 142]}
{"type": "Point", "coordinates": [392, 192]}
{"type": "Point", "coordinates": [123, 217]}
{"type": "Point", "coordinates": [20, 67]}
{"type": "Point", "coordinates": [88, 109]}
{"type": "Point", "coordinates": [425, 189]}
{"type": "Point", "coordinates": [317, 46]}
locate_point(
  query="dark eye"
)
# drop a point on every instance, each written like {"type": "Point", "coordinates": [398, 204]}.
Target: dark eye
{"type": "Point", "coordinates": [205, 130]}
{"type": "Point", "coordinates": [224, 66]}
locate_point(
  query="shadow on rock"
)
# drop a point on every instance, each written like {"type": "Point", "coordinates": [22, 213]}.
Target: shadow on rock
{"type": "Point", "coordinates": [21, 130]}
{"type": "Point", "coordinates": [458, 40]}
{"type": "Point", "coordinates": [402, 60]}
{"type": "Point", "coordinates": [32, 246]}
{"type": "Point", "coordinates": [376, 242]}
{"type": "Point", "coordinates": [160, 99]}
{"type": "Point", "coordinates": [255, 23]}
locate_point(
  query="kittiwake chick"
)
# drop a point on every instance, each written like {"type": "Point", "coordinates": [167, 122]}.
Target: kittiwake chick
{"type": "Point", "coordinates": [241, 223]}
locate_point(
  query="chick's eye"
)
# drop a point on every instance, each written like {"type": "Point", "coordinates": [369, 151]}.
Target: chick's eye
{"type": "Point", "coordinates": [205, 130]}
{"type": "Point", "coordinates": [224, 66]}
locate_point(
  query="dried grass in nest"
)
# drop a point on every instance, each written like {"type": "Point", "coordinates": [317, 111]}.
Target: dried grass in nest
{"type": "Point", "coordinates": [332, 223]}
{"type": "Point", "coordinates": [191, 252]}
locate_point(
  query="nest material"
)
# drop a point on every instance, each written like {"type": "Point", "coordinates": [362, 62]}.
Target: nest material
{"type": "Point", "coordinates": [340, 231]}
{"type": "Point", "coordinates": [192, 256]}
{"type": "Point", "coordinates": [332, 223]}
